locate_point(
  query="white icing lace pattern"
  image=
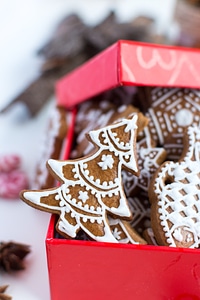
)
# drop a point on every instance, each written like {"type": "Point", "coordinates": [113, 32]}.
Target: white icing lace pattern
{"type": "Point", "coordinates": [171, 112]}
{"type": "Point", "coordinates": [179, 200]}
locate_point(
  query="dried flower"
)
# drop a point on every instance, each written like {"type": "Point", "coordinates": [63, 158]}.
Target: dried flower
{"type": "Point", "coordinates": [12, 255]}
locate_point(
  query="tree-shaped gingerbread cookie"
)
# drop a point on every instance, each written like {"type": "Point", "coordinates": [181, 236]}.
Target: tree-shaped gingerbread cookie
{"type": "Point", "coordinates": [91, 187]}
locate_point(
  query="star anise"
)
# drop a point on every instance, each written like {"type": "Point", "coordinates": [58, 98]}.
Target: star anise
{"type": "Point", "coordinates": [12, 255]}
{"type": "Point", "coordinates": [4, 296]}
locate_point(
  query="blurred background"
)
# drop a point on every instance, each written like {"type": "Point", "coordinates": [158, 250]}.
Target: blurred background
{"type": "Point", "coordinates": [41, 40]}
{"type": "Point", "coordinates": [25, 26]}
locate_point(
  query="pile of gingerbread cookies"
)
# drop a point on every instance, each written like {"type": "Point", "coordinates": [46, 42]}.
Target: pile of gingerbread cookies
{"type": "Point", "coordinates": [133, 175]}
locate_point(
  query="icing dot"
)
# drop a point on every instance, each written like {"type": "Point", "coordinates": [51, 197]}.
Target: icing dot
{"type": "Point", "coordinates": [87, 172]}
{"type": "Point", "coordinates": [62, 203]}
{"type": "Point", "coordinates": [193, 109]}
{"type": "Point", "coordinates": [73, 201]}
{"type": "Point", "coordinates": [99, 209]}
{"type": "Point", "coordinates": [184, 117]}
{"type": "Point", "coordinates": [67, 209]}
{"type": "Point", "coordinates": [116, 180]}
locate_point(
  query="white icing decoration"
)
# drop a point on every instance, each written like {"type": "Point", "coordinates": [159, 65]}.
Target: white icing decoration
{"type": "Point", "coordinates": [106, 162]}
{"type": "Point", "coordinates": [184, 117]}
{"type": "Point", "coordinates": [178, 235]}
{"type": "Point", "coordinates": [90, 185]}
{"type": "Point", "coordinates": [117, 233]}
{"type": "Point", "coordinates": [92, 116]}
{"type": "Point", "coordinates": [83, 196]}
{"type": "Point", "coordinates": [147, 163]}
{"type": "Point", "coordinates": [171, 111]}
{"type": "Point", "coordinates": [178, 201]}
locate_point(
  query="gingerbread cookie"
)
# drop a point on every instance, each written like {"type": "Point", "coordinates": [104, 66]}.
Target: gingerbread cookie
{"type": "Point", "coordinates": [149, 236]}
{"type": "Point", "coordinates": [141, 213]}
{"type": "Point", "coordinates": [171, 111]}
{"type": "Point", "coordinates": [175, 197]}
{"type": "Point", "coordinates": [136, 187]}
{"type": "Point", "coordinates": [91, 187]}
{"type": "Point", "coordinates": [52, 145]}
{"type": "Point", "coordinates": [92, 115]}
{"type": "Point", "coordinates": [124, 233]}
{"type": "Point", "coordinates": [149, 159]}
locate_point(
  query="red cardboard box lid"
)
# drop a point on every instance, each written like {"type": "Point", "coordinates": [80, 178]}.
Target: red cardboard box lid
{"type": "Point", "coordinates": [130, 63]}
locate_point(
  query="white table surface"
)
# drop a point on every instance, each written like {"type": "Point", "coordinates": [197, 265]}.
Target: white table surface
{"type": "Point", "coordinates": [24, 27]}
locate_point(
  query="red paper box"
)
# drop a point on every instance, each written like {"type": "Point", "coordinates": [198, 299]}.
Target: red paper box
{"type": "Point", "coordinates": [94, 270]}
